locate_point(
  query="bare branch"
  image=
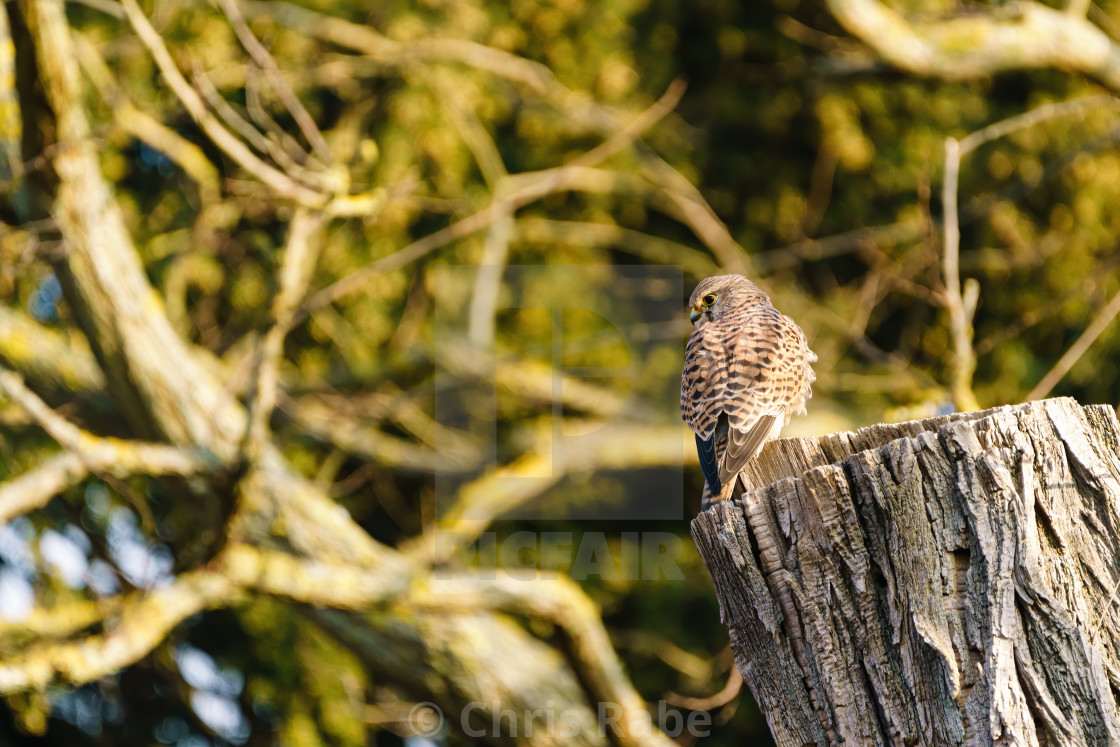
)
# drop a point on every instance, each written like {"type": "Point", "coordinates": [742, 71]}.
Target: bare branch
{"type": "Point", "coordinates": [341, 205]}
{"type": "Point", "coordinates": [34, 488]}
{"type": "Point", "coordinates": [495, 250]}
{"type": "Point", "coordinates": [729, 692]}
{"type": "Point", "coordinates": [322, 583]}
{"type": "Point", "coordinates": [282, 143]}
{"type": "Point", "coordinates": [820, 189]}
{"type": "Point", "coordinates": [300, 256]}
{"type": "Point", "coordinates": [1099, 324]}
{"type": "Point", "coordinates": [652, 248]}
{"type": "Point", "coordinates": [528, 187]}
{"type": "Point", "coordinates": [67, 434]}
{"type": "Point", "coordinates": [471, 129]}
{"type": "Point", "coordinates": [102, 456]}
{"type": "Point", "coordinates": [485, 499]}
{"type": "Point", "coordinates": [112, 455]}
{"type": "Point", "coordinates": [960, 326]}
{"type": "Point", "coordinates": [1040, 114]}
{"type": "Point", "coordinates": [60, 619]}
{"type": "Point", "coordinates": [330, 426]}
{"type": "Point", "coordinates": [231, 116]}
{"type": "Point", "coordinates": [488, 282]}
{"type": "Point", "coordinates": [234, 148]}
{"type": "Point", "coordinates": [811, 250]}
{"type": "Point", "coordinates": [350, 422]}
{"type": "Point", "coordinates": [146, 128]}
{"type": "Point", "coordinates": [681, 199]}
{"type": "Point", "coordinates": [962, 306]}
{"type": "Point", "coordinates": [693, 666]}
{"type": "Point", "coordinates": [263, 59]}
{"type": "Point", "coordinates": [527, 74]}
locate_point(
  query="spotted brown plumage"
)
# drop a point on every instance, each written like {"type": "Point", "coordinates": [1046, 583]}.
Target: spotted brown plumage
{"type": "Point", "coordinates": [746, 373]}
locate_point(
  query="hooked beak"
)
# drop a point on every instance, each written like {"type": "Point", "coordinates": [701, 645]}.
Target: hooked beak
{"type": "Point", "coordinates": [694, 315]}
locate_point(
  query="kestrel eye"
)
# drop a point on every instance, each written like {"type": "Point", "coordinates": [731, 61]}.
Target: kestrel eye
{"type": "Point", "coordinates": [709, 299]}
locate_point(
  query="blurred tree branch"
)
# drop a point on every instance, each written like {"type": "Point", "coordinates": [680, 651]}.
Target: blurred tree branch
{"type": "Point", "coordinates": [1099, 323]}
{"type": "Point", "coordinates": [284, 537]}
{"type": "Point", "coordinates": [681, 198]}
{"type": "Point", "coordinates": [144, 620]}
{"type": "Point", "coordinates": [300, 257]}
{"type": "Point", "coordinates": [523, 189]}
{"type": "Point", "coordinates": [146, 128]}
{"type": "Point", "coordinates": [1028, 35]}
{"type": "Point", "coordinates": [488, 497]}
{"type": "Point", "coordinates": [962, 307]}
{"type": "Point", "coordinates": [234, 148]}
{"type": "Point", "coordinates": [85, 453]}
{"type": "Point", "coordinates": [45, 355]}
{"type": "Point", "coordinates": [264, 60]}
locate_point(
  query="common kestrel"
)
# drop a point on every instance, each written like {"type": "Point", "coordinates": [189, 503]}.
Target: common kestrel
{"type": "Point", "coordinates": [746, 373]}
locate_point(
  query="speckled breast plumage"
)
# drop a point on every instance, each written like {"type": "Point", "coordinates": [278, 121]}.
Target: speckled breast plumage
{"type": "Point", "coordinates": [746, 373]}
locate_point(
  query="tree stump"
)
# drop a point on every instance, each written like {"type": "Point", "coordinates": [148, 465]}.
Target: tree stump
{"type": "Point", "coordinates": [938, 582]}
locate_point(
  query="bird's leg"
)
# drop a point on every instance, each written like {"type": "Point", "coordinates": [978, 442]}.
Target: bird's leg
{"type": "Point", "coordinates": [727, 492]}
{"type": "Point", "coordinates": [728, 489]}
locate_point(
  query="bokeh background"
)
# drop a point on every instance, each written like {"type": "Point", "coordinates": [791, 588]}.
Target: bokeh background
{"type": "Point", "coordinates": [799, 152]}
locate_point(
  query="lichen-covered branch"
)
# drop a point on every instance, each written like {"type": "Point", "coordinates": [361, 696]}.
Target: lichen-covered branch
{"type": "Point", "coordinates": [45, 355]}
{"type": "Point", "coordinates": [144, 618]}
{"type": "Point", "coordinates": [157, 385]}
{"type": "Point", "coordinates": [144, 621]}
{"type": "Point", "coordinates": [86, 453]}
{"type": "Point", "coordinates": [113, 455]}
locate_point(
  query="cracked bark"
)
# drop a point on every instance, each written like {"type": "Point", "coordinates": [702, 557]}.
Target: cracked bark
{"type": "Point", "coordinates": [945, 581]}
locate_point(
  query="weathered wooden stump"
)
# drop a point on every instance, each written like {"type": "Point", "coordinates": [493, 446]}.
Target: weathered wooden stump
{"type": "Point", "coordinates": [938, 582]}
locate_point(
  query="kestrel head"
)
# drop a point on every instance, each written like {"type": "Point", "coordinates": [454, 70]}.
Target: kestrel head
{"type": "Point", "coordinates": [716, 295]}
